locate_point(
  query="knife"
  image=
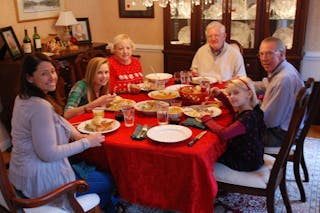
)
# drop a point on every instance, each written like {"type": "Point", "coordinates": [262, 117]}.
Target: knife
{"type": "Point", "coordinates": [197, 138]}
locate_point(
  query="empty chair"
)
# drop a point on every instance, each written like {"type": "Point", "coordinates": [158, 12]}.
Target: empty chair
{"type": "Point", "coordinates": [296, 154]}
{"type": "Point", "coordinates": [11, 203]}
{"type": "Point", "coordinates": [265, 181]}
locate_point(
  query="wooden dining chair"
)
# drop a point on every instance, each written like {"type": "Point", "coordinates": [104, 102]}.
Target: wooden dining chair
{"type": "Point", "coordinates": [11, 203]}
{"type": "Point", "coordinates": [265, 181]}
{"type": "Point", "coordinates": [296, 154]}
{"type": "Point", "coordinates": [83, 59]}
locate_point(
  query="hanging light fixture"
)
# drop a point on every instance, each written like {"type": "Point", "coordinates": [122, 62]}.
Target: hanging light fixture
{"type": "Point", "coordinates": [172, 3]}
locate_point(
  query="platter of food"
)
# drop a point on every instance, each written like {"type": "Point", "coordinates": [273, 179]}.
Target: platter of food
{"type": "Point", "coordinates": [158, 76]}
{"type": "Point", "coordinates": [115, 105]}
{"type": "Point", "coordinates": [175, 87]}
{"type": "Point", "coordinates": [196, 110]}
{"type": "Point", "coordinates": [148, 107]}
{"type": "Point", "coordinates": [163, 94]}
{"type": "Point", "coordinates": [98, 125]}
{"type": "Point", "coordinates": [169, 133]}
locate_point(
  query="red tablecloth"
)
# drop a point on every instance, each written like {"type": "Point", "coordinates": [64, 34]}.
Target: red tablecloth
{"type": "Point", "coordinates": [167, 176]}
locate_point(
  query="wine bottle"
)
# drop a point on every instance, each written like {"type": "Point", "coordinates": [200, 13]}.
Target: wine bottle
{"type": "Point", "coordinates": [27, 47]}
{"type": "Point", "coordinates": [36, 40]}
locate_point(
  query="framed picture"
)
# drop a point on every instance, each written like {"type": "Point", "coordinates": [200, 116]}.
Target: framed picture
{"type": "Point", "coordinates": [127, 10]}
{"type": "Point", "coordinates": [40, 9]}
{"type": "Point", "coordinates": [12, 44]}
{"type": "Point", "coordinates": [81, 31]}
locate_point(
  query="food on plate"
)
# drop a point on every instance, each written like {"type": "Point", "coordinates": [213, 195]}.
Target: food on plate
{"type": "Point", "coordinates": [163, 94]}
{"type": "Point", "coordinates": [115, 105]}
{"type": "Point", "coordinates": [175, 110]}
{"type": "Point", "coordinates": [147, 86]}
{"type": "Point", "coordinates": [99, 125]}
{"type": "Point", "coordinates": [149, 106]}
{"type": "Point", "coordinates": [198, 110]}
{"type": "Point", "coordinates": [191, 89]}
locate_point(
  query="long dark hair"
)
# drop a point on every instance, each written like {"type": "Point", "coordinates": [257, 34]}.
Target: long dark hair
{"type": "Point", "coordinates": [27, 89]}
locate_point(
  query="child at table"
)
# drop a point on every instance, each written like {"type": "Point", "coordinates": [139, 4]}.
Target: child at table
{"type": "Point", "coordinates": [244, 136]}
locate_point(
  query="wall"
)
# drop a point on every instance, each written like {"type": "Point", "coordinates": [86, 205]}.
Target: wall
{"type": "Point", "coordinates": [147, 33]}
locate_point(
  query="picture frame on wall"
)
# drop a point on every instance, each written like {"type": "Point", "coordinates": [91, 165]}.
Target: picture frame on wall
{"type": "Point", "coordinates": [81, 31]}
{"type": "Point", "coordinates": [36, 10]}
{"type": "Point", "coordinates": [12, 44]}
{"type": "Point", "coordinates": [127, 10]}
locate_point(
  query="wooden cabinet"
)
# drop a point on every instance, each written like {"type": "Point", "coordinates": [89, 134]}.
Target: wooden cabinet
{"type": "Point", "coordinates": [10, 76]}
{"type": "Point", "coordinates": [246, 21]}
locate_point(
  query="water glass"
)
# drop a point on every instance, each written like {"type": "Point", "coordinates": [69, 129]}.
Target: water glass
{"type": "Point", "coordinates": [128, 114]}
{"type": "Point", "coordinates": [205, 88]}
{"type": "Point", "coordinates": [98, 112]}
{"type": "Point", "coordinates": [185, 77]}
{"type": "Point", "coordinates": [162, 114]}
{"type": "Point", "coordinates": [176, 77]}
{"type": "Point", "coordinates": [160, 84]}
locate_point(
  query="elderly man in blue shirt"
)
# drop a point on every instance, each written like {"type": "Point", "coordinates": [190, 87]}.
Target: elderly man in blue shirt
{"type": "Point", "coordinates": [280, 89]}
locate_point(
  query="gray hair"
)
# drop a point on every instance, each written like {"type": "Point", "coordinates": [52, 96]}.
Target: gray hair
{"type": "Point", "coordinates": [119, 38]}
{"type": "Point", "coordinates": [215, 24]}
{"type": "Point", "coordinates": [280, 45]}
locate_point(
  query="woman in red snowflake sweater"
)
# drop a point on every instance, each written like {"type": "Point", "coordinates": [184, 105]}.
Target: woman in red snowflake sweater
{"type": "Point", "coordinates": [125, 70]}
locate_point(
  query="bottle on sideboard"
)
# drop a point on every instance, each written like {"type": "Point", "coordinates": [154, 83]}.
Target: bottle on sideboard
{"type": "Point", "coordinates": [36, 40]}
{"type": "Point", "coordinates": [27, 47]}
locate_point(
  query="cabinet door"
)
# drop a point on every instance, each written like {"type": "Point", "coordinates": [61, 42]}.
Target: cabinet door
{"type": "Point", "coordinates": [179, 32]}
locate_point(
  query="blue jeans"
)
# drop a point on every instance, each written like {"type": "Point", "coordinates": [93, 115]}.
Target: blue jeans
{"type": "Point", "coordinates": [102, 184]}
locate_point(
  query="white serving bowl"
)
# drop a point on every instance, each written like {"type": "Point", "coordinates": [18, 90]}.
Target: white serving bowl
{"type": "Point", "coordinates": [158, 76]}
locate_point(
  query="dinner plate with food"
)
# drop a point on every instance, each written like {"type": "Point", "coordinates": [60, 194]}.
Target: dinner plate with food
{"type": "Point", "coordinates": [164, 94]}
{"type": "Point", "coordinates": [115, 105]}
{"type": "Point", "coordinates": [98, 125]}
{"type": "Point", "coordinates": [197, 80]}
{"type": "Point", "coordinates": [149, 107]}
{"type": "Point", "coordinates": [196, 110]}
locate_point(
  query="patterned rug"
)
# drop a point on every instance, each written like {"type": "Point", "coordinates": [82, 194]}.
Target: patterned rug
{"type": "Point", "coordinates": [241, 203]}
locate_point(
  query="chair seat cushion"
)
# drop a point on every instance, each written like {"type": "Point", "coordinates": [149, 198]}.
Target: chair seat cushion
{"type": "Point", "coordinates": [87, 202]}
{"type": "Point", "coordinates": [256, 179]}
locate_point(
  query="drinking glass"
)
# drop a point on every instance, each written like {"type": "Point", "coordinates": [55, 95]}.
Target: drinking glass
{"type": "Point", "coordinates": [176, 77]}
{"type": "Point", "coordinates": [162, 113]}
{"type": "Point", "coordinates": [160, 84]}
{"type": "Point", "coordinates": [128, 114]}
{"type": "Point", "coordinates": [185, 77]}
{"type": "Point", "coordinates": [205, 88]}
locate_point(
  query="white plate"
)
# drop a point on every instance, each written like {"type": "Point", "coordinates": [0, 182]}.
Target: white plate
{"type": "Point", "coordinates": [197, 80]}
{"type": "Point", "coordinates": [175, 87]}
{"type": "Point", "coordinates": [285, 34]}
{"type": "Point", "coordinates": [115, 126]}
{"type": "Point", "coordinates": [194, 111]}
{"type": "Point", "coordinates": [164, 94]}
{"type": "Point", "coordinates": [169, 133]}
{"type": "Point", "coordinates": [184, 35]}
{"type": "Point", "coordinates": [159, 76]}
{"type": "Point", "coordinates": [148, 107]}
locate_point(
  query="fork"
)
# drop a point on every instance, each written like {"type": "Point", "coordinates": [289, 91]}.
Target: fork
{"type": "Point", "coordinates": [143, 131]}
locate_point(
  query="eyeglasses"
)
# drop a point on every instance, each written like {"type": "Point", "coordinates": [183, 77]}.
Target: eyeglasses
{"type": "Point", "coordinates": [268, 53]}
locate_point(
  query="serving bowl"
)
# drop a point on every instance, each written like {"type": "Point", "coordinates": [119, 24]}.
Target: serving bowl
{"type": "Point", "coordinates": [192, 95]}
{"type": "Point", "coordinates": [158, 76]}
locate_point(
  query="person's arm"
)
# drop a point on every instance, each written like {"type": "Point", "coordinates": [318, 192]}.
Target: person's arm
{"type": "Point", "coordinates": [275, 105]}
{"type": "Point", "coordinates": [260, 86]}
{"type": "Point", "coordinates": [45, 138]}
{"type": "Point", "coordinates": [224, 133]}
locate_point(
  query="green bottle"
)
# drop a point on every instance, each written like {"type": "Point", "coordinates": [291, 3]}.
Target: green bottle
{"type": "Point", "coordinates": [36, 40]}
{"type": "Point", "coordinates": [27, 47]}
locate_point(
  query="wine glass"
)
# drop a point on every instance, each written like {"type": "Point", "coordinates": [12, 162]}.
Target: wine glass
{"type": "Point", "coordinates": [205, 86]}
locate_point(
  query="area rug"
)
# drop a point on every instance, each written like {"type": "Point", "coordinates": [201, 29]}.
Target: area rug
{"type": "Point", "coordinates": [242, 203]}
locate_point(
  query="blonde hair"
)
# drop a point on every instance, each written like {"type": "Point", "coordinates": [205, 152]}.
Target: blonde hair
{"type": "Point", "coordinates": [245, 83]}
{"type": "Point", "coordinates": [92, 68]}
{"type": "Point", "coordinates": [119, 38]}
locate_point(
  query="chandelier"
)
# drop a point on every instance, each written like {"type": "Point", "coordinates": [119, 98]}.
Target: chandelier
{"type": "Point", "coordinates": [172, 3]}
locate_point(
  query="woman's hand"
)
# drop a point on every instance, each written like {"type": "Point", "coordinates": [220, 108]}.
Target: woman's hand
{"type": "Point", "coordinates": [103, 100]}
{"type": "Point", "coordinates": [95, 139]}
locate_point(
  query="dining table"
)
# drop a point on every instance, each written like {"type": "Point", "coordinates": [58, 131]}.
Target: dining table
{"type": "Point", "coordinates": [171, 176]}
